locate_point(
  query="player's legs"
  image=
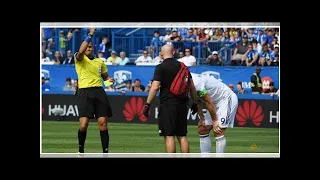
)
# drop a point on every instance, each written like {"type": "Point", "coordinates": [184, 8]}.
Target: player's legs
{"type": "Point", "coordinates": [86, 111]}
{"type": "Point", "coordinates": [184, 144]}
{"type": "Point", "coordinates": [226, 112]}
{"type": "Point", "coordinates": [82, 132]}
{"type": "Point", "coordinates": [204, 133]}
{"type": "Point", "coordinates": [170, 144]}
{"type": "Point", "coordinates": [103, 112]}
{"type": "Point", "coordinates": [166, 123]}
{"type": "Point", "coordinates": [181, 128]}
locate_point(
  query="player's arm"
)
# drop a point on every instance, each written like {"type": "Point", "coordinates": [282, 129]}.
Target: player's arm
{"type": "Point", "coordinates": [209, 104]}
{"type": "Point", "coordinates": [193, 92]}
{"type": "Point", "coordinates": [84, 45]}
{"type": "Point", "coordinates": [155, 86]}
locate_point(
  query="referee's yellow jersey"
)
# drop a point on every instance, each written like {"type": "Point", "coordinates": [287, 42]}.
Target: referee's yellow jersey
{"type": "Point", "coordinates": [89, 71]}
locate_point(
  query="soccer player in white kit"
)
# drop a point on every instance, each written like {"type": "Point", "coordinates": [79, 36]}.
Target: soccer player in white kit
{"type": "Point", "coordinates": [222, 104]}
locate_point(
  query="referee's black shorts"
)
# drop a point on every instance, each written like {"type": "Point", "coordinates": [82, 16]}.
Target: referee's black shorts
{"type": "Point", "coordinates": [173, 120]}
{"type": "Point", "coordinates": [93, 102]}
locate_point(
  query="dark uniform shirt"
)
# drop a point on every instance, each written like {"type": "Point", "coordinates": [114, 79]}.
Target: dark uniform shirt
{"type": "Point", "coordinates": [165, 73]}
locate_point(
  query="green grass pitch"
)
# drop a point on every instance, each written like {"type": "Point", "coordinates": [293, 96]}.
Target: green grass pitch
{"type": "Point", "coordinates": [61, 137]}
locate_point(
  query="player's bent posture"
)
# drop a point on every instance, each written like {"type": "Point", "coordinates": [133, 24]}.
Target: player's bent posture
{"type": "Point", "coordinates": [221, 103]}
{"type": "Point", "coordinates": [92, 99]}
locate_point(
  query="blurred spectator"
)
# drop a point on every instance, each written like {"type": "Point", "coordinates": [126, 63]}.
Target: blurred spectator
{"type": "Point", "coordinates": [62, 44]}
{"type": "Point", "coordinates": [45, 84]}
{"type": "Point", "coordinates": [202, 37]}
{"type": "Point", "coordinates": [188, 60]}
{"type": "Point", "coordinates": [103, 47]}
{"type": "Point", "coordinates": [214, 59]}
{"type": "Point", "coordinates": [272, 90]}
{"type": "Point", "coordinates": [208, 31]}
{"type": "Point", "coordinates": [168, 35]}
{"type": "Point", "coordinates": [239, 52]}
{"type": "Point", "coordinates": [156, 44]}
{"type": "Point", "coordinates": [123, 60]}
{"type": "Point", "coordinates": [217, 35]}
{"type": "Point", "coordinates": [144, 58]}
{"type": "Point", "coordinates": [232, 32]}
{"type": "Point", "coordinates": [182, 32]}
{"type": "Point", "coordinates": [57, 58]}
{"type": "Point", "coordinates": [100, 56]}
{"type": "Point", "coordinates": [75, 85]}
{"type": "Point", "coordinates": [256, 82]}
{"type": "Point", "coordinates": [68, 86]}
{"type": "Point", "coordinates": [128, 86]}
{"type": "Point", "coordinates": [69, 59]}
{"type": "Point", "coordinates": [270, 37]}
{"type": "Point", "coordinates": [275, 62]}
{"type": "Point", "coordinates": [250, 34]}
{"type": "Point", "coordinates": [181, 55]}
{"type": "Point", "coordinates": [262, 62]}
{"type": "Point", "coordinates": [240, 89]}
{"type": "Point", "coordinates": [175, 39]}
{"type": "Point", "coordinates": [274, 43]}
{"type": "Point", "coordinates": [189, 38]}
{"type": "Point", "coordinates": [137, 87]}
{"type": "Point", "coordinates": [44, 57]}
{"type": "Point", "coordinates": [50, 48]}
{"type": "Point", "coordinates": [237, 37]}
{"type": "Point", "coordinates": [256, 46]}
{"type": "Point", "coordinates": [231, 87]}
{"type": "Point", "coordinates": [266, 53]}
{"type": "Point", "coordinates": [275, 51]}
{"type": "Point", "coordinates": [195, 32]}
{"type": "Point", "coordinates": [47, 38]}
{"type": "Point", "coordinates": [69, 35]}
{"type": "Point", "coordinates": [262, 37]}
{"type": "Point", "coordinates": [148, 86]}
{"type": "Point", "coordinates": [251, 56]}
{"type": "Point", "coordinates": [276, 33]}
{"type": "Point", "coordinates": [114, 59]}
{"type": "Point", "coordinates": [158, 59]}
{"type": "Point", "coordinates": [226, 38]}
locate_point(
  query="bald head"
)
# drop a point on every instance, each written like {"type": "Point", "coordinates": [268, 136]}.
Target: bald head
{"type": "Point", "coordinates": [167, 51]}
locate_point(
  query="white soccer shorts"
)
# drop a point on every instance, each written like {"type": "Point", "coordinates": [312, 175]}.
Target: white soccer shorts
{"type": "Point", "coordinates": [226, 112]}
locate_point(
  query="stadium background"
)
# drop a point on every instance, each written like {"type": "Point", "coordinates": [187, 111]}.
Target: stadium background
{"type": "Point", "coordinates": [257, 118]}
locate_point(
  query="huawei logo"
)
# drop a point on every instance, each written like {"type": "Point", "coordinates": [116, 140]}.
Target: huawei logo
{"type": "Point", "coordinates": [134, 108]}
{"type": "Point", "coordinates": [249, 111]}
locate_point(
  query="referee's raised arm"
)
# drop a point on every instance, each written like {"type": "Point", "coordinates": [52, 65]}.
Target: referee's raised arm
{"type": "Point", "coordinates": [84, 45]}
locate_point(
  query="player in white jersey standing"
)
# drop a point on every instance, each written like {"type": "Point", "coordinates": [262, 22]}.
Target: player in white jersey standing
{"type": "Point", "coordinates": [222, 104]}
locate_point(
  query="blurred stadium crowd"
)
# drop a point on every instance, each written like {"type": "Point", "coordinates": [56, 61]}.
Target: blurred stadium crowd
{"type": "Point", "coordinates": [193, 46]}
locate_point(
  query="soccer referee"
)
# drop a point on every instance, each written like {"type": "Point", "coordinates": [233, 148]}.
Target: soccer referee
{"type": "Point", "coordinates": [92, 99]}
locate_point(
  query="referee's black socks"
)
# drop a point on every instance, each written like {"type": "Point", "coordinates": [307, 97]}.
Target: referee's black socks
{"type": "Point", "coordinates": [104, 140]}
{"type": "Point", "coordinates": [81, 138]}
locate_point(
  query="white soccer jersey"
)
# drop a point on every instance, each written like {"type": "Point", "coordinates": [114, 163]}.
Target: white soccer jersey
{"type": "Point", "coordinates": [207, 84]}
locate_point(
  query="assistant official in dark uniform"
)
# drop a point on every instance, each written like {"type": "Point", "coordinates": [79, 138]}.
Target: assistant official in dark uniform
{"type": "Point", "coordinates": [173, 111]}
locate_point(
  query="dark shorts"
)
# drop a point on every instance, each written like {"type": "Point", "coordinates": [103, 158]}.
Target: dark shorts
{"type": "Point", "coordinates": [93, 102]}
{"type": "Point", "coordinates": [173, 120]}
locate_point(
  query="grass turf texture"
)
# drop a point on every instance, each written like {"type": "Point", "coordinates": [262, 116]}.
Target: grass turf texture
{"type": "Point", "coordinates": [61, 137]}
